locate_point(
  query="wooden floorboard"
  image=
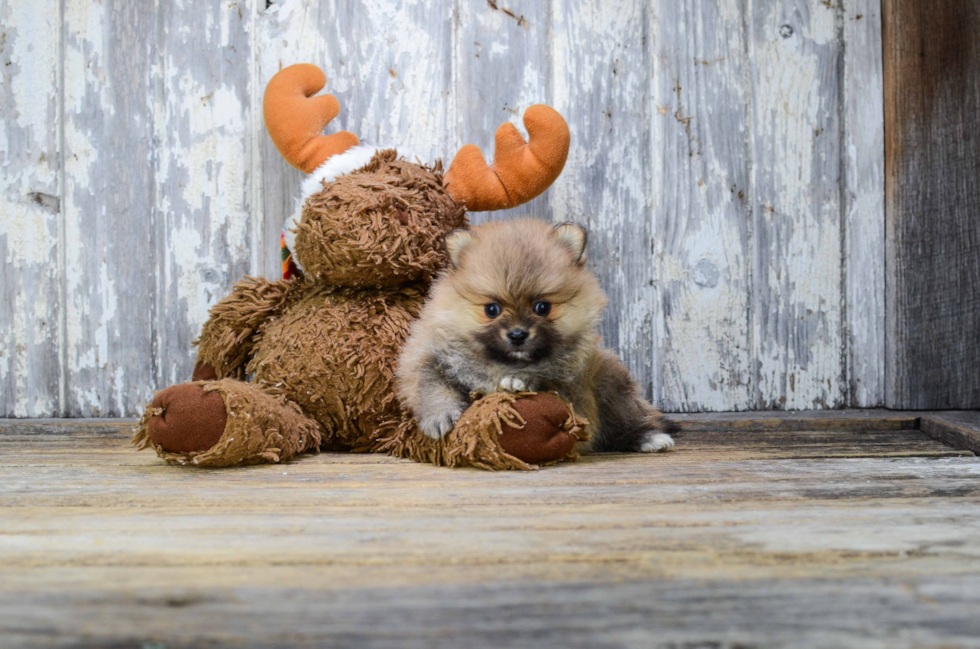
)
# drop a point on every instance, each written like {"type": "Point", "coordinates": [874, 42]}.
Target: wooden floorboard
{"type": "Point", "coordinates": [746, 535]}
{"type": "Point", "coordinates": [956, 428]}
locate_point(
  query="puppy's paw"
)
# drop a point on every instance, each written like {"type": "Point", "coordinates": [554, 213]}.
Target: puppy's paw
{"type": "Point", "coordinates": [437, 424]}
{"type": "Point", "coordinates": [654, 441]}
{"type": "Point", "coordinates": [513, 384]}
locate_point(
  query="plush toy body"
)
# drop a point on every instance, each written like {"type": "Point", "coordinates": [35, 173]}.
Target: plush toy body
{"type": "Point", "coordinates": [318, 350]}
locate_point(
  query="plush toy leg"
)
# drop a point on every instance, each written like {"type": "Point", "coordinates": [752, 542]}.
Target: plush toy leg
{"type": "Point", "coordinates": [224, 423]}
{"type": "Point", "coordinates": [499, 431]}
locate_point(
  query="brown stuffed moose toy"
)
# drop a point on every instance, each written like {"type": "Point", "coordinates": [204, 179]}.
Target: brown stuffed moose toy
{"type": "Point", "coordinates": [307, 362]}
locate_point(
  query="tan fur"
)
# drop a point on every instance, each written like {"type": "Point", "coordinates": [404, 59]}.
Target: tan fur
{"type": "Point", "coordinates": [263, 426]}
{"type": "Point", "coordinates": [227, 338]}
{"type": "Point", "coordinates": [513, 262]}
{"type": "Point", "coordinates": [382, 226]}
{"type": "Point", "coordinates": [516, 264]}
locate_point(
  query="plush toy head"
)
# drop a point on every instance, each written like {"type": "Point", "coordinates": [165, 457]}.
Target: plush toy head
{"type": "Point", "coordinates": [370, 218]}
{"type": "Point", "coordinates": [381, 225]}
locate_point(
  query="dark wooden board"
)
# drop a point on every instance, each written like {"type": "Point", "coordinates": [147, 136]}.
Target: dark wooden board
{"type": "Point", "coordinates": [932, 203]}
{"type": "Point", "coordinates": [959, 429]}
{"type": "Point", "coordinates": [797, 420]}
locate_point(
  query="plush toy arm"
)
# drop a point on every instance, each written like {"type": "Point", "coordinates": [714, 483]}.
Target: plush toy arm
{"type": "Point", "coordinates": [228, 336]}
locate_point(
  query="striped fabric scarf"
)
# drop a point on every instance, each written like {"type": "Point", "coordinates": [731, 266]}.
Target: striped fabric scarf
{"type": "Point", "coordinates": [289, 269]}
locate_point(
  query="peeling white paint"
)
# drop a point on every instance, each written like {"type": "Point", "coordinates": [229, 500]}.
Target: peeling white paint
{"type": "Point", "coordinates": [90, 293]}
{"type": "Point", "coordinates": [798, 327]}
{"type": "Point", "coordinates": [204, 174]}
{"type": "Point", "coordinates": [29, 209]}
{"type": "Point", "coordinates": [864, 183]}
{"type": "Point", "coordinates": [686, 127]}
{"type": "Point", "coordinates": [211, 160]}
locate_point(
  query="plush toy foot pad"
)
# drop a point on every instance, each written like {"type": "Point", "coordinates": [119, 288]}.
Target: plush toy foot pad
{"type": "Point", "coordinates": [189, 418]}
{"type": "Point", "coordinates": [544, 437]}
{"type": "Point", "coordinates": [225, 423]}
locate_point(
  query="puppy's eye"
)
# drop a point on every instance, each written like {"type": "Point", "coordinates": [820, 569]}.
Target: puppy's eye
{"type": "Point", "coordinates": [492, 309]}
{"type": "Point", "coordinates": [542, 308]}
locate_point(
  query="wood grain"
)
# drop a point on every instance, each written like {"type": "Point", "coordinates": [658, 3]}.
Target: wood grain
{"type": "Point", "coordinates": [157, 191]}
{"type": "Point", "coordinates": [932, 99]}
{"type": "Point", "coordinates": [796, 223]}
{"type": "Point", "coordinates": [863, 195]}
{"type": "Point", "coordinates": [109, 268]}
{"type": "Point", "coordinates": [865, 612]}
{"type": "Point", "coordinates": [202, 184]}
{"type": "Point", "coordinates": [853, 420]}
{"type": "Point", "coordinates": [601, 76]}
{"type": "Point", "coordinates": [701, 122]}
{"type": "Point", "coordinates": [958, 429]}
{"type": "Point", "coordinates": [30, 210]}
{"type": "Point", "coordinates": [754, 537]}
{"type": "Point", "coordinates": [394, 90]}
{"type": "Point", "coordinates": [502, 63]}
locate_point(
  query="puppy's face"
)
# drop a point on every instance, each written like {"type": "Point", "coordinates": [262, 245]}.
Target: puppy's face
{"type": "Point", "coordinates": [518, 291]}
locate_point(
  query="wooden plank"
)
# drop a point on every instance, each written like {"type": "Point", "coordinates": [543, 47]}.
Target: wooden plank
{"type": "Point", "coordinates": [157, 190]}
{"type": "Point", "coordinates": [30, 209]}
{"type": "Point", "coordinates": [685, 549]}
{"type": "Point", "coordinates": [798, 324]}
{"type": "Point", "coordinates": [108, 208]}
{"type": "Point", "coordinates": [856, 420]}
{"type": "Point", "coordinates": [863, 192]}
{"type": "Point", "coordinates": [700, 113]}
{"type": "Point", "coordinates": [393, 90]}
{"type": "Point", "coordinates": [932, 100]}
{"type": "Point", "coordinates": [349, 482]}
{"type": "Point", "coordinates": [957, 429]}
{"type": "Point", "coordinates": [601, 59]}
{"type": "Point", "coordinates": [503, 64]}
{"type": "Point", "coordinates": [793, 440]}
{"type": "Point", "coordinates": [863, 419]}
{"type": "Point", "coordinates": [845, 613]}
{"type": "Point", "coordinates": [799, 444]}
{"type": "Point", "coordinates": [200, 81]}
{"type": "Point", "coordinates": [285, 34]}
{"type": "Point", "coordinates": [798, 420]}
{"type": "Point", "coordinates": [104, 474]}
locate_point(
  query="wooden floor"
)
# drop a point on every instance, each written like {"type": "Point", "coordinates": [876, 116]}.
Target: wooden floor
{"type": "Point", "coordinates": [790, 531]}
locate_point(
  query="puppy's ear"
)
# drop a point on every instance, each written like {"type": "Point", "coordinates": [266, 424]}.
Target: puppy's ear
{"type": "Point", "coordinates": [575, 237]}
{"type": "Point", "coordinates": [456, 241]}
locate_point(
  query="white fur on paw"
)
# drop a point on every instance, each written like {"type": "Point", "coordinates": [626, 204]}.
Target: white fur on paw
{"type": "Point", "coordinates": [654, 441]}
{"type": "Point", "coordinates": [513, 384]}
{"type": "Point", "coordinates": [438, 424]}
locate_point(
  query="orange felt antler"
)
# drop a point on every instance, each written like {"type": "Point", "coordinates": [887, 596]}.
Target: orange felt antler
{"type": "Point", "coordinates": [520, 171]}
{"type": "Point", "coordinates": [295, 118]}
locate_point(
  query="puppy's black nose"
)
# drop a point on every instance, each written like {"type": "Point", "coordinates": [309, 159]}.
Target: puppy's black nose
{"type": "Point", "coordinates": [517, 336]}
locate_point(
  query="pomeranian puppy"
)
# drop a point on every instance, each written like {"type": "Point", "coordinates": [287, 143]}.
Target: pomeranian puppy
{"type": "Point", "coordinates": [517, 311]}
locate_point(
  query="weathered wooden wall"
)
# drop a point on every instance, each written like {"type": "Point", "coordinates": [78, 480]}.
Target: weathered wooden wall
{"type": "Point", "coordinates": [727, 156]}
{"type": "Point", "coordinates": [932, 107]}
